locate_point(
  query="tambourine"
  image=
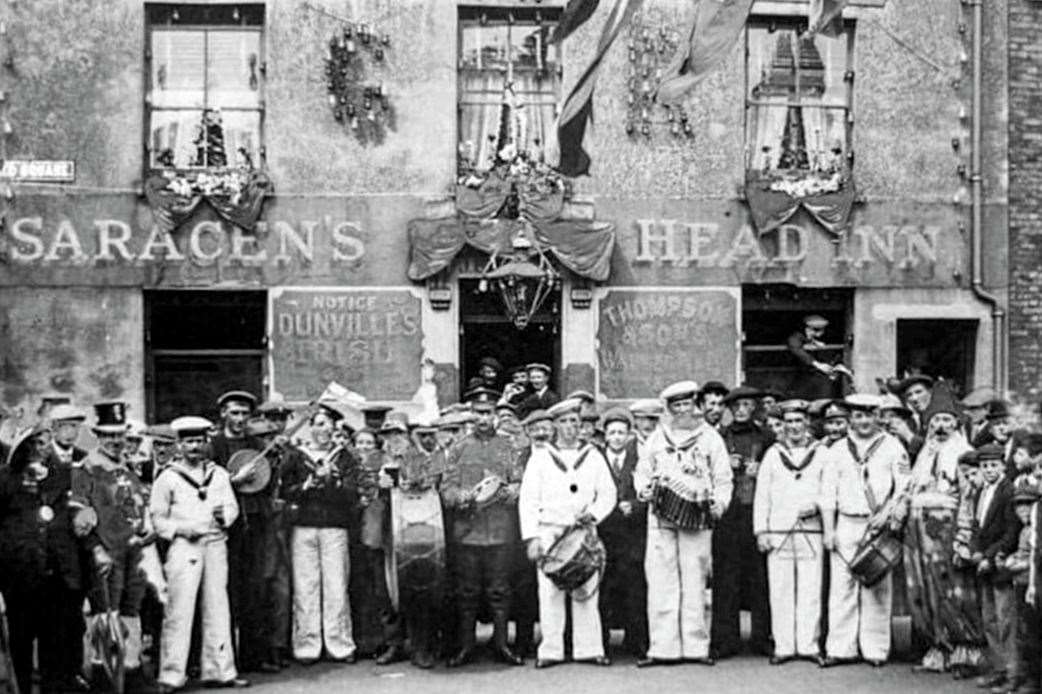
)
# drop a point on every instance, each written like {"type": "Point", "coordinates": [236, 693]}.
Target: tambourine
{"type": "Point", "coordinates": [486, 492]}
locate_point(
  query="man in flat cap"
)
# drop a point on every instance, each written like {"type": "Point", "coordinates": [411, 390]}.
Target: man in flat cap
{"type": "Point", "coordinates": [489, 370]}
{"type": "Point", "coordinates": [646, 415]}
{"type": "Point", "coordinates": [193, 505]}
{"type": "Point", "coordinates": [1002, 431]}
{"type": "Point", "coordinates": [115, 520]}
{"type": "Point", "coordinates": [565, 486]}
{"type": "Point", "coordinates": [65, 430]}
{"type": "Point", "coordinates": [483, 538]}
{"type": "Point", "coordinates": [862, 493]}
{"type": "Point", "coordinates": [787, 523]}
{"type": "Point", "coordinates": [542, 396]}
{"type": "Point", "coordinates": [517, 389]}
{"type": "Point", "coordinates": [975, 405]}
{"type": "Point", "coordinates": [687, 455]}
{"type": "Point", "coordinates": [917, 392]}
{"type": "Point", "coordinates": [739, 569]}
{"type": "Point", "coordinates": [814, 378]}
{"type": "Point", "coordinates": [623, 593]}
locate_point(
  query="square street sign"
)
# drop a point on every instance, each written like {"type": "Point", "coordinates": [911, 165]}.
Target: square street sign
{"type": "Point", "coordinates": [39, 170]}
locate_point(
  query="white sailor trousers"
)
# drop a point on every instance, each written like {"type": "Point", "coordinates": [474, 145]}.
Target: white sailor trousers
{"type": "Point", "coordinates": [321, 608]}
{"type": "Point", "coordinates": [794, 587]}
{"type": "Point", "coordinates": [859, 617]}
{"type": "Point", "coordinates": [189, 565]}
{"type": "Point", "coordinates": [676, 565]}
{"type": "Point", "coordinates": [586, 621]}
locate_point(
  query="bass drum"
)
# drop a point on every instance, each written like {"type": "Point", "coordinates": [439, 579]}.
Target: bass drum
{"type": "Point", "coordinates": [416, 564]}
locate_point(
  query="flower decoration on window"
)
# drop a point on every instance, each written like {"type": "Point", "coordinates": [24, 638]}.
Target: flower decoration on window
{"type": "Point", "coordinates": [360, 105]}
{"type": "Point", "coordinates": [235, 194]}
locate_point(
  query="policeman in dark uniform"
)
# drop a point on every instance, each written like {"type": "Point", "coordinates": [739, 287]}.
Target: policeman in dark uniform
{"type": "Point", "coordinates": [484, 539]}
{"type": "Point", "coordinates": [739, 570]}
{"type": "Point", "coordinates": [41, 581]}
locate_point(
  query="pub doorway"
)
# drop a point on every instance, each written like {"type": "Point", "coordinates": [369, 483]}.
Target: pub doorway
{"type": "Point", "coordinates": [199, 344]}
{"type": "Point", "coordinates": [940, 348]}
{"type": "Point", "coordinates": [485, 331]}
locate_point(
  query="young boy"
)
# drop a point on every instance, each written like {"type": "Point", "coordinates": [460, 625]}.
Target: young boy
{"type": "Point", "coordinates": [969, 644]}
{"type": "Point", "coordinates": [997, 537]}
{"type": "Point", "coordinates": [1023, 664]}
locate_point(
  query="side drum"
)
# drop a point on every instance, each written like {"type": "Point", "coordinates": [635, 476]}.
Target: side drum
{"type": "Point", "coordinates": [876, 557]}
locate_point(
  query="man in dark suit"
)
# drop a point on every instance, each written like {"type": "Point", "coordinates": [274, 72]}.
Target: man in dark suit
{"type": "Point", "coordinates": [999, 529]}
{"type": "Point", "coordinates": [1000, 431]}
{"type": "Point", "coordinates": [739, 569]}
{"type": "Point", "coordinates": [541, 397]}
{"type": "Point", "coordinates": [623, 594]}
{"type": "Point", "coordinates": [42, 579]}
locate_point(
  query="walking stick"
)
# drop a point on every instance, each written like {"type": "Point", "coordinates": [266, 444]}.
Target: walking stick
{"type": "Point", "coordinates": [109, 639]}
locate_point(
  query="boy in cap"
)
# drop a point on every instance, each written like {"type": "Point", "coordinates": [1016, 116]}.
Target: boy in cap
{"type": "Point", "coordinates": [1024, 655]}
{"type": "Point", "coordinates": [689, 452]}
{"type": "Point", "coordinates": [565, 486]}
{"type": "Point", "coordinates": [623, 592]}
{"type": "Point", "coordinates": [997, 534]}
{"type": "Point", "coordinates": [739, 569]}
{"type": "Point", "coordinates": [42, 581]}
{"type": "Point", "coordinates": [863, 483]}
{"type": "Point", "coordinates": [787, 524]}
{"type": "Point", "coordinates": [193, 505]}
{"type": "Point", "coordinates": [115, 519]}
{"type": "Point", "coordinates": [483, 539]}
{"type": "Point", "coordinates": [542, 396]}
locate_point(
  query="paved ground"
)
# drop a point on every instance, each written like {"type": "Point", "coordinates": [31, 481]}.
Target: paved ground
{"type": "Point", "coordinates": [738, 675]}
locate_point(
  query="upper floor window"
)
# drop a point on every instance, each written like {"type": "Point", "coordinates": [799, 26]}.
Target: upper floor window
{"type": "Point", "coordinates": [205, 102]}
{"type": "Point", "coordinates": [504, 58]}
{"type": "Point", "coordinates": [799, 95]}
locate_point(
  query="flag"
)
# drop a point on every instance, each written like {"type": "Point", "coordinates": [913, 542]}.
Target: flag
{"type": "Point", "coordinates": [826, 17]}
{"type": "Point", "coordinates": [578, 106]}
{"type": "Point", "coordinates": [575, 14]}
{"type": "Point", "coordinates": [717, 27]}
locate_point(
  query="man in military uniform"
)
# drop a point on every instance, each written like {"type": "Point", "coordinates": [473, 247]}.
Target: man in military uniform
{"type": "Point", "coordinates": [192, 505]}
{"type": "Point", "coordinates": [115, 520]}
{"type": "Point", "coordinates": [739, 570]}
{"type": "Point", "coordinates": [483, 539]}
{"type": "Point", "coordinates": [836, 416]}
{"type": "Point", "coordinates": [42, 579]}
{"type": "Point", "coordinates": [863, 482]}
{"type": "Point", "coordinates": [542, 396]}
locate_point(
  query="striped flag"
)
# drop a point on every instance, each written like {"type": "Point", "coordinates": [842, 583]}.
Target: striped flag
{"type": "Point", "coordinates": [716, 30]}
{"type": "Point", "coordinates": [826, 17]}
{"type": "Point", "coordinates": [577, 109]}
{"type": "Point", "coordinates": [574, 15]}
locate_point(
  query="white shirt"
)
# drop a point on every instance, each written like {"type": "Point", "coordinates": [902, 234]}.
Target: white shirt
{"type": "Point", "coordinates": [886, 472]}
{"type": "Point", "coordinates": [984, 503]}
{"type": "Point", "coordinates": [178, 506]}
{"type": "Point", "coordinates": [782, 493]}
{"type": "Point", "coordinates": [559, 485]}
{"type": "Point", "coordinates": [615, 459]}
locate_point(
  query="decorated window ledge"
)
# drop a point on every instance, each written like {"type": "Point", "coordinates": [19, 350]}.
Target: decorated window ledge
{"type": "Point", "coordinates": [235, 194]}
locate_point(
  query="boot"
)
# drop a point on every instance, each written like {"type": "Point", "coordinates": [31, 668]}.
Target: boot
{"type": "Point", "coordinates": [137, 681]}
{"type": "Point", "coordinates": [467, 623]}
{"type": "Point", "coordinates": [524, 639]}
{"type": "Point", "coordinates": [500, 650]}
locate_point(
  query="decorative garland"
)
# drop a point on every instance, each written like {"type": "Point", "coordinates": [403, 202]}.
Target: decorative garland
{"type": "Point", "coordinates": [363, 109]}
{"type": "Point", "coordinates": [649, 52]}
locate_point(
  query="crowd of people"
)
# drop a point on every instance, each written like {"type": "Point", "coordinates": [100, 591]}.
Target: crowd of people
{"type": "Point", "coordinates": [237, 546]}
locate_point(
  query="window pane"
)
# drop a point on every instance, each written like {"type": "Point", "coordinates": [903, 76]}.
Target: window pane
{"type": "Point", "coordinates": [172, 138]}
{"type": "Point", "coordinates": [233, 68]}
{"type": "Point", "coordinates": [774, 70]}
{"type": "Point", "coordinates": [789, 137]}
{"type": "Point", "coordinates": [484, 47]}
{"type": "Point", "coordinates": [178, 62]}
{"type": "Point", "coordinates": [242, 137]}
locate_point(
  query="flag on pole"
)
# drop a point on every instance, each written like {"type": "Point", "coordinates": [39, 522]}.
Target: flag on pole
{"type": "Point", "coordinates": [716, 29]}
{"type": "Point", "coordinates": [577, 109]}
{"type": "Point", "coordinates": [826, 17]}
{"type": "Point", "coordinates": [574, 15]}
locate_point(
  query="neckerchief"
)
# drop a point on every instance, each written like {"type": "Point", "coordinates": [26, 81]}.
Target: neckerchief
{"type": "Point", "coordinates": [200, 489]}
{"type": "Point", "coordinates": [561, 465]}
{"type": "Point", "coordinates": [682, 447]}
{"type": "Point", "coordinates": [862, 463]}
{"type": "Point", "coordinates": [804, 462]}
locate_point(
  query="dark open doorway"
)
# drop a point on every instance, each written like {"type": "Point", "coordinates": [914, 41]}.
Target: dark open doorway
{"type": "Point", "coordinates": [200, 344]}
{"type": "Point", "coordinates": [485, 331]}
{"type": "Point", "coordinates": [939, 348]}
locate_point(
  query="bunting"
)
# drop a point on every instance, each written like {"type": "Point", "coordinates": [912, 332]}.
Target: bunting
{"type": "Point", "coordinates": [578, 107]}
{"type": "Point", "coordinates": [826, 17]}
{"type": "Point", "coordinates": [715, 32]}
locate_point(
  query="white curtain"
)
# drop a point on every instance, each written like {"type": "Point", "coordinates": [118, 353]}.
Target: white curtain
{"type": "Point", "coordinates": [768, 130]}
